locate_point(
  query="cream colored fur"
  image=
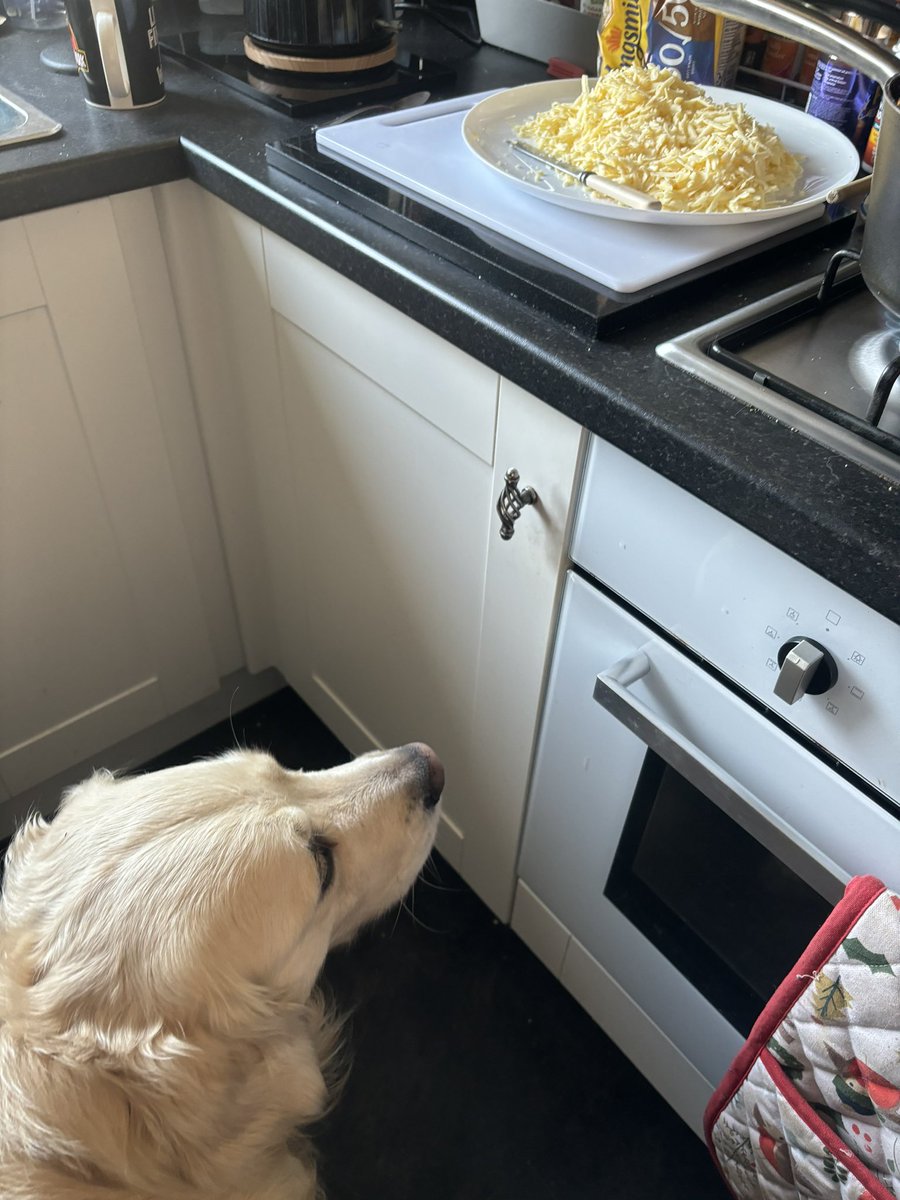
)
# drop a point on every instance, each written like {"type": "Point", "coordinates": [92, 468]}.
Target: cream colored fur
{"type": "Point", "coordinates": [161, 1036]}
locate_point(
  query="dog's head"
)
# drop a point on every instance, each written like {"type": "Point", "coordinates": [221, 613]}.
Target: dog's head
{"type": "Point", "coordinates": [208, 893]}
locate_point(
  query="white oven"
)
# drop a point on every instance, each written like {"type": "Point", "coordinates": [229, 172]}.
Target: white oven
{"type": "Point", "coordinates": [688, 827]}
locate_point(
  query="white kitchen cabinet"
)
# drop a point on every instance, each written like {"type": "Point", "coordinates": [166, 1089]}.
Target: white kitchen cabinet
{"type": "Point", "coordinates": [522, 581]}
{"type": "Point", "coordinates": [421, 621]}
{"type": "Point", "coordinates": [215, 258]}
{"type": "Point", "coordinates": [390, 527]}
{"type": "Point", "coordinates": [356, 459]}
{"type": "Point", "coordinates": [114, 603]}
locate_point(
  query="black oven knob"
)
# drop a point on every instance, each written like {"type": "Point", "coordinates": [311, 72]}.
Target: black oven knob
{"type": "Point", "coordinates": [806, 668]}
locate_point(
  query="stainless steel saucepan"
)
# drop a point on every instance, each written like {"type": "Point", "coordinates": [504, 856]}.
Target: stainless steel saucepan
{"type": "Point", "coordinates": [880, 263]}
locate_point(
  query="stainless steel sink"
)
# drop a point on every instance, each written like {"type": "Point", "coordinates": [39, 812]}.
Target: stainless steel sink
{"type": "Point", "coordinates": [21, 121]}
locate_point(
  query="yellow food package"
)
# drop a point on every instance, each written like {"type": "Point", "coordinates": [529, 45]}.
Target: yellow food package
{"type": "Point", "coordinates": [702, 47]}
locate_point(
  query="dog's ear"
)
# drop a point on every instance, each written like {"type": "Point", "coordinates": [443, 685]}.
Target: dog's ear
{"type": "Point", "coordinates": [18, 950]}
{"type": "Point", "coordinates": [100, 779]}
{"type": "Point", "coordinates": [18, 943]}
{"type": "Point", "coordinates": [28, 838]}
{"type": "Point", "coordinates": [24, 845]}
{"type": "Point", "coordinates": [28, 833]}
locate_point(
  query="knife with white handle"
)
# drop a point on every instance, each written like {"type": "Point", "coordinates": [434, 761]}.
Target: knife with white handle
{"type": "Point", "coordinates": [629, 196]}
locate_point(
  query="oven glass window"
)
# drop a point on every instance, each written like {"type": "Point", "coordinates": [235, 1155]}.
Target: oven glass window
{"type": "Point", "coordinates": [723, 909]}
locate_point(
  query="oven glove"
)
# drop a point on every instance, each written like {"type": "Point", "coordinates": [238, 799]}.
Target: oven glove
{"type": "Point", "coordinates": [810, 1107]}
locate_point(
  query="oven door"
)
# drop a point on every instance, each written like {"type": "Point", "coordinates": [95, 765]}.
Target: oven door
{"type": "Point", "coordinates": [685, 840]}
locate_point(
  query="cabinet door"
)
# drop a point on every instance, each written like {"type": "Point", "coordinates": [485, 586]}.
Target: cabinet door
{"type": "Point", "coordinates": [105, 597]}
{"type": "Point", "coordinates": [76, 668]}
{"type": "Point", "coordinates": [391, 536]}
{"type": "Point", "coordinates": [423, 622]}
{"type": "Point", "coordinates": [523, 579]}
{"type": "Point", "coordinates": [215, 257]}
{"type": "Point", "coordinates": [390, 432]}
{"type": "Point", "coordinates": [357, 459]}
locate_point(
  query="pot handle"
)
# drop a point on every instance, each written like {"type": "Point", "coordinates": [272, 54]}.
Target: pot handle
{"type": "Point", "coordinates": [805, 24]}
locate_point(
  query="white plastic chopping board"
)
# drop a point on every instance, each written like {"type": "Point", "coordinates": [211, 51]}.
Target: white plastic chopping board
{"type": "Point", "coordinates": [422, 150]}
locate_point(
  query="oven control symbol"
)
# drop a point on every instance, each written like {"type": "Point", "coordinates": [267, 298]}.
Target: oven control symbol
{"type": "Point", "coordinates": [806, 668]}
{"type": "Point", "coordinates": [857, 658]}
{"type": "Point", "coordinates": [792, 615]}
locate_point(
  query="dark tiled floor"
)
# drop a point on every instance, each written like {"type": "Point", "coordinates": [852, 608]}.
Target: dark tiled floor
{"type": "Point", "coordinates": [474, 1075]}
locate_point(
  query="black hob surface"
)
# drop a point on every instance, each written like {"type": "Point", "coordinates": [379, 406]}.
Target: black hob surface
{"type": "Point", "coordinates": [217, 51]}
{"type": "Point", "coordinates": [551, 288]}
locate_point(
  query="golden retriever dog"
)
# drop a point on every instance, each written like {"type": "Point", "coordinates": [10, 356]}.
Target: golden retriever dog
{"type": "Point", "coordinates": [161, 1034]}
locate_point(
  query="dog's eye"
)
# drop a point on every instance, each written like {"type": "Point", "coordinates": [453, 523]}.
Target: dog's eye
{"type": "Point", "coordinates": [323, 852]}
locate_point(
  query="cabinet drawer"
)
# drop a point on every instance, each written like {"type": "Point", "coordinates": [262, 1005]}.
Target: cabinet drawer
{"type": "Point", "coordinates": [443, 384]}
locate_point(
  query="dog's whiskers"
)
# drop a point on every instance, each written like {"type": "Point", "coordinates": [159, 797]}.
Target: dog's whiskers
{"type": "Point", "coordinates": [237, 740]}
{"type": "Point", "coordinates": [416, 919]}
{"type": "Point", "coordinates": [438, 887]}
{"type": "Point", "coordinates": [431, 865]}
{"type": "Point", "coordinates": [397, 912]}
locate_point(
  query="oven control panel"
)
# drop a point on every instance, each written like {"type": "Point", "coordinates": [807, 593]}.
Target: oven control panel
{"type": "Point", "coordinates": [812, 653]}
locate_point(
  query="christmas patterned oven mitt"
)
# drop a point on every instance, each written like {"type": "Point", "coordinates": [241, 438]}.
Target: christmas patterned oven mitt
{"type": "Point", "coordinates": [810, 1108]}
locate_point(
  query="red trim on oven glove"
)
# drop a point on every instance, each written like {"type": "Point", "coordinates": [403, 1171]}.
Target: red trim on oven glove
{"type": "Point", "coordinates": [859, 893]}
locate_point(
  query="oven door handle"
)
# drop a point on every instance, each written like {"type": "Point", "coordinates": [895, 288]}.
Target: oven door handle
{"type": "Point", "coordinates": [770, 830]}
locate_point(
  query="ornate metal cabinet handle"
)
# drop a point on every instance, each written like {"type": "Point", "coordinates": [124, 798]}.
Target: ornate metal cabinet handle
{"type": "Point", "coordinates": [511, 503]}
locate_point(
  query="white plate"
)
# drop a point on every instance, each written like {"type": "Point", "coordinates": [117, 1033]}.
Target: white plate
{"type": "Point", "coordinates": [829, 158]}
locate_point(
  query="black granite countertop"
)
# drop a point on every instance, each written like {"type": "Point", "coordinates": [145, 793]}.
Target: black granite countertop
{"type": "Point", "coordinates": [839, 519]}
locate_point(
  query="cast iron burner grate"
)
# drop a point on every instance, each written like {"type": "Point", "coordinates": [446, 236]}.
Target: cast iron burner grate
{"type": "Point", "coordinates": [221, 57]}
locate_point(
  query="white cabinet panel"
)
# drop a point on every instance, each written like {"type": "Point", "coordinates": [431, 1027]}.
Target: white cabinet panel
{"type": "Point", "coordinates": [115, 607]}
{"type": "Point", "coordinates": [522, 582]}
{"type": "Point", "coordinates": [422, 622]}
{"type": "Point", "coordinates": [68, 620]}
{"type": "Point", "coordinates": [158, 322]}
{"type": "Point", "coordinates": [20, 288]}
{"type": "Point", "coordinates": [215, 257]}
{"type": "Point", "coordinates": [391, 531]}
{"type": "Point", "coordinates": [443, 384]}
{"type": "Point", "coordinates": [89, 293]}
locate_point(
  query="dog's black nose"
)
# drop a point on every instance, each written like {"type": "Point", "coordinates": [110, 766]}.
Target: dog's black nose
{"type": "Point", "coordinates": [432, 769]}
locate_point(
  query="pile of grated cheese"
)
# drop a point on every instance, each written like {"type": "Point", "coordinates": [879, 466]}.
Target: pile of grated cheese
{"type": "Point", "coordinates": [646, 127]}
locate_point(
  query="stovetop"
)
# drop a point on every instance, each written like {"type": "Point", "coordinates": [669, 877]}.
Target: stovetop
{"type": "Point", "coordinates": [217, 51]}
{"type": "Point", "coordinates": [424, 212]}
{"type": "Point", "coordinates": [823, 357]}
